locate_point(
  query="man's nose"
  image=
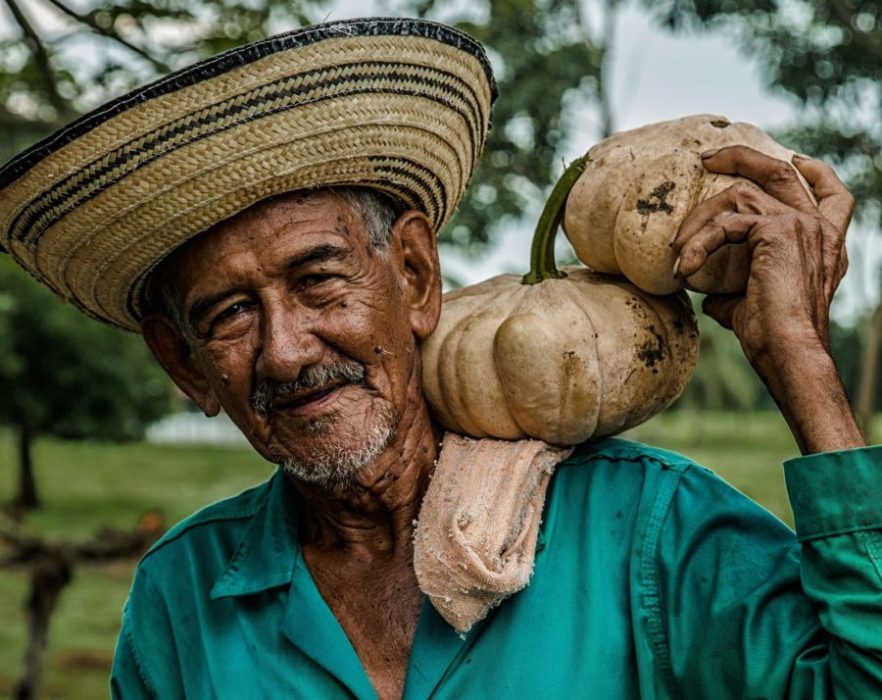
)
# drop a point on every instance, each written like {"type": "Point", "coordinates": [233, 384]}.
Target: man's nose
{"type": "Point", "coordinates": [288, 343]}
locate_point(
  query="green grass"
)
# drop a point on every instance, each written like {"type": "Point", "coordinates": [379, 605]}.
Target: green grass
{"type": "Point", "coordinates": [86, 486]}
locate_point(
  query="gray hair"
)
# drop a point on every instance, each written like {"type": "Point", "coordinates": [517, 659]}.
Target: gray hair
{"type": "Point", "coordinates": [376, 210]}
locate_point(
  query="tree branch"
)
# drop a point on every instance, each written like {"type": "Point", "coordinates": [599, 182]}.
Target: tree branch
{"type": "Point", "coordinates": [159, 65]}
{"type": "Point", "coordinates": [41, 56]}
{"type": "Point", "coordinates": [871, 43]}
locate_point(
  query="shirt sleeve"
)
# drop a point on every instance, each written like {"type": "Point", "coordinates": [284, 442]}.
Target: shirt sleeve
{"type": "Point", "coordinates": [145, 663]}
{"type": "Point", "coordinates": [127, 678]}
{"type": "Point", "coordinates": [742, 608]}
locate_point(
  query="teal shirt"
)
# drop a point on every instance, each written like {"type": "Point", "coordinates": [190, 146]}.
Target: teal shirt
{"type": "Point", "coordinates": [653, 579]}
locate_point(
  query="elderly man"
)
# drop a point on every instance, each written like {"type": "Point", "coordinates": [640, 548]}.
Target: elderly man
{"type": "Point", "coordinates": [267, 219]}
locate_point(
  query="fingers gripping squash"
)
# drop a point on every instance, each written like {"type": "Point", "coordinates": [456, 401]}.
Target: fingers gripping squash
{"type": "Point", "coordinates": [558, 356]}
{"type": "Point", "coordinates": [637, 189]}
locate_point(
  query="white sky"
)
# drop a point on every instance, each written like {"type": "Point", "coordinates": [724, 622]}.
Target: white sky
{"type": "Point", "coordinates": [655, 76]}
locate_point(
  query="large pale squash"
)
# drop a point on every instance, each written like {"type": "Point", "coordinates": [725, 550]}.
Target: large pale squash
{"type": "Point", "coordinates": [556, 356]}
{"type": "Point", "coordinates": [637, 189]}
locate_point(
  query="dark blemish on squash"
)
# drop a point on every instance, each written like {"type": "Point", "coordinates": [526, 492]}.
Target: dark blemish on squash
{"type": "Point", "coordinates": [720, 123]}
{"type": "Point", "coordinates": [660, 195]}
{"type": "Point", "coordinates": [679, 326]}
{"type": "Point", "coordinates": [652, 351]}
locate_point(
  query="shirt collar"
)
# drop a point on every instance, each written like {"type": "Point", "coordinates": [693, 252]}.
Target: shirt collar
{"type": "Point", "coordinates": [267, 553]}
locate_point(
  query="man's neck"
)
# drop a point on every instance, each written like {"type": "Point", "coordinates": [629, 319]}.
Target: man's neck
{"type": "Point", "coordinates": [358, 545]}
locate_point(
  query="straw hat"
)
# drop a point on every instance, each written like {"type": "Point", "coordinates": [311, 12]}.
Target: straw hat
{"type": "Point", "coordinates": [400, 105]}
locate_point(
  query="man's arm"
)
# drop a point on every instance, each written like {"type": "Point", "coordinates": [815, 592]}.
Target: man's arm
{"type": "Point", "coordinates": [127, 680]}
{"type": "Point", "coordinates": [748, 611]}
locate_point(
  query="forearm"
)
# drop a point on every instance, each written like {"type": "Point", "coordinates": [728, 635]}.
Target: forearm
{"type": "Point", "coordinates": [806, 386]}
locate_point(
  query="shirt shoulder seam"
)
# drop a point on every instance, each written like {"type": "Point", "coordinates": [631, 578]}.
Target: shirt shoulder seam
{"type": "Point", "coordinates": [211, 514]}
{"type": "Point", "coordinates": [620, 450]}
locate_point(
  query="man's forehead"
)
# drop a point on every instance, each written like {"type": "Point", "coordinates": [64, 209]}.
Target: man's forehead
{"type": "Point", "coordinates": [319, 212]}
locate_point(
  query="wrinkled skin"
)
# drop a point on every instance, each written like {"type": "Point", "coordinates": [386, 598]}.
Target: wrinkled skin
{"type": "Point", "coordinates": [797, 259]}
{"type": "Point", "coordinates": [289, 285]}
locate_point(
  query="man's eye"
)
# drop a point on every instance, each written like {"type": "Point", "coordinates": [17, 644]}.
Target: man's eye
{"type": "Point", "coordinates": [227, 319]}
{"type": "Point", "coordinates": [231, 310]}
{"type": "Point", "coordinates": [312, 280]}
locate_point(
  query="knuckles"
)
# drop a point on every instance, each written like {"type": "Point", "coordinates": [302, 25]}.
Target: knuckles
{"type": "Point", "coordinates": [745, 196]}
{"type": "Point", "coordinates": [781, 172]}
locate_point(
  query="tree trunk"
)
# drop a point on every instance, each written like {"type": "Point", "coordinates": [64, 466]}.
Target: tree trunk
{"type": "Point", "coordinates": [865, 402]}
{"type": "Point", "coordinates": [48, 580]}
{"type": "Point", "coordinates": [27, 484]}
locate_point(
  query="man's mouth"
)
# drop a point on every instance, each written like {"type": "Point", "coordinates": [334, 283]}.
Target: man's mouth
{"type": "Point", "coordinates": [316, 385]}
{"type": "Point", "coordinates": [306, 400]}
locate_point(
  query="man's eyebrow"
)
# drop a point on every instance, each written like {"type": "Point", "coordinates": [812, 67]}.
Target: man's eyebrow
{"type": "Point", "coordinates": [318, 253]}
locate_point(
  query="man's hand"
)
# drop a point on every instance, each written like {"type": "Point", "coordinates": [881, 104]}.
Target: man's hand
{"type": "Point", "coordinates": [797, 261]}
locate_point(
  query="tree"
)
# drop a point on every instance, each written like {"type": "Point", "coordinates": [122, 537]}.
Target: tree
{"type": "Point", "coordinates": [68, 376]}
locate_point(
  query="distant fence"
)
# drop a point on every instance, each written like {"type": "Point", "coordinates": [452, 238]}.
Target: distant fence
{"type": "Point", "coordinates": [195, 428]}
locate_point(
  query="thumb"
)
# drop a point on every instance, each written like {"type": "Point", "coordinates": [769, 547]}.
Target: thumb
{"type": "Point", "coordinates": [721, 308]}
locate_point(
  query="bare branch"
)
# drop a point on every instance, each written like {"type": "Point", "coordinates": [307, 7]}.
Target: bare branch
{"type": "Point", "coordinates": [113, 544]}
{"type": "Point", "coordinates": [13, 535]}
{"type": "Point", "coordinates": [159, 65]}
{"type": "Point", "coordinates": [41, 56]}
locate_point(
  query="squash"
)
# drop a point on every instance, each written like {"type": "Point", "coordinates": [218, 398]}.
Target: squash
{"type": "Point", "coordinates": [638, 187]}
{"type": "Point", "coordinates": [560, 356]}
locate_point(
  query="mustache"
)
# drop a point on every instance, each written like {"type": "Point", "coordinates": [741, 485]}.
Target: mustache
{"type": "Point", "coordinates": [311, 377]}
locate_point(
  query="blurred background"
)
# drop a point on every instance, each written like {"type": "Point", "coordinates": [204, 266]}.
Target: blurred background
{"type": "Point", "coordinates": [97, 452]}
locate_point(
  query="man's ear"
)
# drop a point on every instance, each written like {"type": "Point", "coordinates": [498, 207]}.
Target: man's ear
{"type": "Point", "coordinates": [420, 270]}
{"type": "Point", "coordinates": [172, 351]}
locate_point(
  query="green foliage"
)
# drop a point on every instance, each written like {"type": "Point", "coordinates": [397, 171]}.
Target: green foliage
{"type": "Point", "coordinates": [847, 346]}
{"type": "Point", "coordinates": [541, 54]}
{"type": "Point", "coordinates": [66, 375]}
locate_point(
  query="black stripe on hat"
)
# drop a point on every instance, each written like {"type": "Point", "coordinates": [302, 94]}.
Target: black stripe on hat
{"type": "Point", "coordinates": [49, 207]}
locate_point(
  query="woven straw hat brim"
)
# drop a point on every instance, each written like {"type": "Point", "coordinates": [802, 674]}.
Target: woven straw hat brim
{"type": "Point", "coordinates": [402, 106]}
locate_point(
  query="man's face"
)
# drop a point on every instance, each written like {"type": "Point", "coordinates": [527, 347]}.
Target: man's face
{"type": "Point", "coordinates": [303, 332]}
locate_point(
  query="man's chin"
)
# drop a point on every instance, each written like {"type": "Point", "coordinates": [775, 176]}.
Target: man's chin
{"type": "Point", "coordinates": [335, 462]}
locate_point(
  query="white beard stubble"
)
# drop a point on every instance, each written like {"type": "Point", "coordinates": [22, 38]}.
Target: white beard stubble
{"type": "Point", "coordinates": [337, 463]}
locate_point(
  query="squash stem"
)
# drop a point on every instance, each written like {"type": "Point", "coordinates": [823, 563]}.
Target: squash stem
{"type": "Point", "coordinates": [542, 265]}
